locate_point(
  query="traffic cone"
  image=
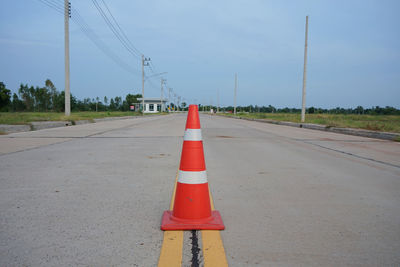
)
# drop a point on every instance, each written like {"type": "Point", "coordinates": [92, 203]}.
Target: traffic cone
{"type": "Point", "coordinates": [192, 208]}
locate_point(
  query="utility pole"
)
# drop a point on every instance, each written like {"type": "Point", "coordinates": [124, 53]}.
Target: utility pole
{"type": "Point", "coordinates": [179, 100]}
{"type": "Point", "coordinates": [234, 106]}
{"type": "Point", "coordinates": [303, 104]}
{"type": "Point", "coordinates": [142, 84]}
{"type": "Point", "coordinates": [162, 93]}
{"type": "Point", "coordinates": [67, 93]}
{"type": "Point", "coordinates": [174, 102]}
{"type": "Point", "coordinates": [144, 63]}
{"type": "Point", "coordinates": [169, 98]}
{"type": "Point", "coordinates": [218, 101]}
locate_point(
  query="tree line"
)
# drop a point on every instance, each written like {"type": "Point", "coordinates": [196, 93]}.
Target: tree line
{"type": "Point", "coordinates": [377, 110]}
{"type": "Point", "coordinates": [48, 98]}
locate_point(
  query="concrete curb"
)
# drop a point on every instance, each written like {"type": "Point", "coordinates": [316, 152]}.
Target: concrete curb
{"type": "Point", "coordinates": [6, 128]}
{"type": "Point", "coordinates": [39, 125]}
{"type": "Point", "coordinates": [349, 131]}
{"type": "Point", "coordinates": [82, 122]}
{"type": "Point", "coordinates": [117, 118]}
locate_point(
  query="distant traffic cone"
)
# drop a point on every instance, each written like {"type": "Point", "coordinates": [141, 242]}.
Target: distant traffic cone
{"type": "Point", "coordinates": [192, 208]}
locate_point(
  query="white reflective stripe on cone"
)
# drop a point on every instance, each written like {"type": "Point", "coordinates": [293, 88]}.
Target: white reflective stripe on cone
{"type": "Point", "coordinates": [192, 177]}
{"type": "Point", "coordinates": [192, 135]}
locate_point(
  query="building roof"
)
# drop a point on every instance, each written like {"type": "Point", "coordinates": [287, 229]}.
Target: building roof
{"type": "Point", "coordinates": [152, 99]}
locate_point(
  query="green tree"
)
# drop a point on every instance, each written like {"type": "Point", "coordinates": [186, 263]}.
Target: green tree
{"type": "Point", "coordinates": [53, 92]}
{"type": "Point", "coordinates": [130, 100]}
{"type": "Point", "coordinates": [27, 97]}
{"type": "Point", "coordinates": [270, 109]}
{"type": "Point", "coordinates": [42, 99]}
{"type": "Point", "coordinates": [17, 104]}
{"type": "Point", "coordinates": [112, 106]}
{"type": "Point", "coordinates": [5, 96]}
{"type": "Point", "coordinates": [118, 102]}
{"type": "Point", "coordinates": [97, 103]}
{"type": "Point", "coordinates": [60, 102]}
{"type": "Point", "coordinates": [359, 110]}
{"type": "Point", "coordinates": [31, 91]}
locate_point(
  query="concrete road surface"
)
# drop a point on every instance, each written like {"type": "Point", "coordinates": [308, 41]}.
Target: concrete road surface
{"type": "Point", "coordinates": [93, 194]}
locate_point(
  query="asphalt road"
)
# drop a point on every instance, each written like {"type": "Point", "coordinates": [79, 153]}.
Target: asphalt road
{"type": "Point", "coordinates": [93, 194]}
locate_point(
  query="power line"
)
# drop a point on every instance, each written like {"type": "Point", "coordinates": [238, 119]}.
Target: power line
{"type": "Point", "coordinates": [152, 85]}
{"type": "Point", "coordinates": [151, 67]}
{"type": "Point", "coordinates": [90, 34]}
{"type": "Point", "coordinates": [114, 30]}
{"type": "Point", "coordinates": [58, 6]}
{"type": "Point", "coordinates": [119, 33]}
{"type": "Point", "coordinates": [78, 19]}
{"type": "Point", "coordinates": [123, 33]}
{"type": "Point", "coordinates": [53, 6]}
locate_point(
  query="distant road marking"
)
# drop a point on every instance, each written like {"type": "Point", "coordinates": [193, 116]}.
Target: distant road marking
{"type": "Point", "coordinates": [171, 250]}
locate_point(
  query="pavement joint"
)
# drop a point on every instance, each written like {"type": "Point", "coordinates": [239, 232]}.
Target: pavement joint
{"type": "Point", "coordinates": [354, 155]}
{"type": "Point", "coordinates": [69, 139]}
{"type": "Point", "coordinates": [319, 127]}
{"type": "Point", "coordinates": [310, 142]}
{"type": "Point", "coordinates": [339, 140]}
{"type": "Point", "coordinates": [196, 249]}
{"type": "Point", "coordinates": [89, 137]}
{"type": "Point", "coordinates": [286, 196]}
{"type": "Point", "coordinates": [34, 148]}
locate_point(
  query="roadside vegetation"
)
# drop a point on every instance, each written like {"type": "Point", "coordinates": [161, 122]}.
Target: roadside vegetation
{"type": "Point", "coordinates": [48, 98]}
{"type": "Point", "coordinates": [385, 119]}
{"type": "Point", "coordinates": [47, 104]}
{"type": "Point", "coordinates": [384, 123]}
{"type": "Point", "coordinates": [27, 117]}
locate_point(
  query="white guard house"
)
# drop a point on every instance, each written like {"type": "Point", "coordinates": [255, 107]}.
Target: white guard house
{"type": "Point", "coordinates": [153, 104]}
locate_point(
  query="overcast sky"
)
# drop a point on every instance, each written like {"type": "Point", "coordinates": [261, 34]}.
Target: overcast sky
{"type": "Point", "coordinates": [354, 50]}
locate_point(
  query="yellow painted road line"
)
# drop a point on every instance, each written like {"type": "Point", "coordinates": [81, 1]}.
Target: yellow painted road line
{"type": "Point", "coordinates": [171, 250]}
{"type": "Point", "coordinates": [213, 248]}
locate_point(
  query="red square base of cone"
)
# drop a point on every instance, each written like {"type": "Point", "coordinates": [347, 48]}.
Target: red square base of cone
{"type": "Point", "coordinates": [171, 223]}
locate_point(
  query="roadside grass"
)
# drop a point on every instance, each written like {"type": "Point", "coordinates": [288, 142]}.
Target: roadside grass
{"type": "Point", "coordinates": [16, 118]}
{"type": "Point", "coordinates": [383, 123]}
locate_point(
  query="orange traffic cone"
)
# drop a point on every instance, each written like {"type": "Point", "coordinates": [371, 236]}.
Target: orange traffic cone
{"type": "Point", "coordinates": [192, 209]}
